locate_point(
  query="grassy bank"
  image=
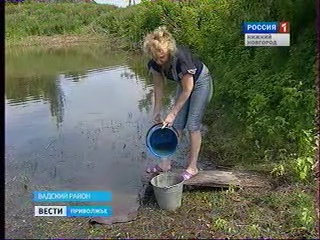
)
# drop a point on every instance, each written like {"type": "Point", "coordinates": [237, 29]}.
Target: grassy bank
{"type": "Point", "coordinates": [262, 116]}
{"type": "Point", "coordinates": [39, 19]}
{"type": "Point", "coordinates": [248, 213]}
{"type": "Point", "coordinates": [56, 41]}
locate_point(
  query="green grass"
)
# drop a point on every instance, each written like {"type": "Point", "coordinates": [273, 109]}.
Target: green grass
{"type": "Point", "coordinates": [38, 19]}
{"type": "Point", "coordinates": [287, 212]}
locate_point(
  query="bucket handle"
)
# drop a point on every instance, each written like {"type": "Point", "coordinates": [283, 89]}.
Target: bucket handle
{"type": "Point", "coordinates": [158, 124]}
{"type": "Point", "coordinates": [168, 187]}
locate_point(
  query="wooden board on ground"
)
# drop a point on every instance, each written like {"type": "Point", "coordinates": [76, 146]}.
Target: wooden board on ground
{"type": "Point", "coordinates": [225, 179]}
{"type": "Point", "coordinates": [220, 178]}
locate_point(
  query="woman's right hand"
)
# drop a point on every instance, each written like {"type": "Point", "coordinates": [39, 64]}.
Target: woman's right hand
{"type": "Point", "coordinates": [157, 118]}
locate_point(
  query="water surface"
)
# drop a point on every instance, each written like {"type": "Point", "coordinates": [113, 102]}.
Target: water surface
{"type": "Point", "coordinates": [76, 119]}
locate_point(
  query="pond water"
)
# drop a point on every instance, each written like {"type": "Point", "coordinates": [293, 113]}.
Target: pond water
{"type": "Point", "coordinates": [76, 119]}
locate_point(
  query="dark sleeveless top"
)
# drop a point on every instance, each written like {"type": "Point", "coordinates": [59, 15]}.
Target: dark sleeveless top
{"type": "Point", "coordinates": [182, 62]}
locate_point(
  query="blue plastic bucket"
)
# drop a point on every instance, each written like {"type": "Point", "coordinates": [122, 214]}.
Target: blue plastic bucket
{"type": "Point", "coordinates": [162, 142]}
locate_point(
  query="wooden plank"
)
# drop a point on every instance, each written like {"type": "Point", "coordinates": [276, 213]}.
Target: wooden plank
{"type": "Point", "coordinates": [212, 178]}
{"type": "Point", "coordinates": [224, 179]}
{"type": "Point", "coordinates": [252, 179]}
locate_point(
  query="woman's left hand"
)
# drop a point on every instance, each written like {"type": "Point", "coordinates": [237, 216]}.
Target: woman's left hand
{"type": "Point", "coordinates": [169, 120]}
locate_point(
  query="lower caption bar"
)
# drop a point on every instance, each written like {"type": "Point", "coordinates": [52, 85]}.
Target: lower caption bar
{"type": "Point", "coordinates": [73, 211]}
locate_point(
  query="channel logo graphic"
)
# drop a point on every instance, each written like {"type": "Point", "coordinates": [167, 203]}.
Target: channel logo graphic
{"type": "Point", "coordinates": [283, 27]}
{"type": "Point", "coordinates": [72, 196]}
{"type": "Point", "coordinates": [52, 211]}
{"type": "Point", "coordinates": [73, 211]}
{"type": "Point", "coordinates": [266, 34]}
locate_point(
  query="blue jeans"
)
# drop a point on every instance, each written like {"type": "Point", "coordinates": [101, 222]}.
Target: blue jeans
{"type": "Point", "coordinates": [191, 114]}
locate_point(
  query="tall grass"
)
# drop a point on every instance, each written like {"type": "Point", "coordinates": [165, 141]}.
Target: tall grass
{"type": "Point", "coordinates": [38, 19]}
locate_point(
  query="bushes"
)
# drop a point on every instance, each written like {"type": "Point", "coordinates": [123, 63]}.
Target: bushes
{"type": "Point", "coordinates": [266, 94]}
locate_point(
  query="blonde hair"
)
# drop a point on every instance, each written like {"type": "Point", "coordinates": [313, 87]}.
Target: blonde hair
{"type": "Point", "coordinates": [160, 39]}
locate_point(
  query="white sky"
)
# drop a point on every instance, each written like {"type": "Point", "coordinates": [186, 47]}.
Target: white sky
{"type": "Point", "coordinates": [120, 3]}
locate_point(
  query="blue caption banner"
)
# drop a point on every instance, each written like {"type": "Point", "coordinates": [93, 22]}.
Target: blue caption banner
{"type": "Point", "coordinates": [72, 196]}
{"type": "Point", "coordinates": [260, 27]}
{"type": "Point", "coordinates": [89, 211]}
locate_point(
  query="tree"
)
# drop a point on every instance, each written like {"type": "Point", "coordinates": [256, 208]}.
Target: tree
{"type": "Point", "coordinates": [130, 2]}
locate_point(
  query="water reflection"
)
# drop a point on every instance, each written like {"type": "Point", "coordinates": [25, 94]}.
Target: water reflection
{"type": "Point", "coordinates": [138, 67]}
{"type": "Point", "coordinates": [36, 75]}
{"type": "Point", "coordinates": [21, 90]}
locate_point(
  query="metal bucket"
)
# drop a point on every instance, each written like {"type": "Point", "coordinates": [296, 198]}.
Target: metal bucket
{"type": "Point", "coordinates": [168, 188]}
{"type": "Point", "coordinates": [162, 142]}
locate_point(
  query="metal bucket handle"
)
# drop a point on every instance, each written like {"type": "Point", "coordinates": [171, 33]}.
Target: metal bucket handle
{"type": "Point", "coordinates": [158, 124]}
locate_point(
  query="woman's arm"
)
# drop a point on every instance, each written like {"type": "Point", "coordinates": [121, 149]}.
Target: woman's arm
{"type": "Point", "coordinates": [187, 87]}
{"type": "Point", "coordinates": [158, 92]}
